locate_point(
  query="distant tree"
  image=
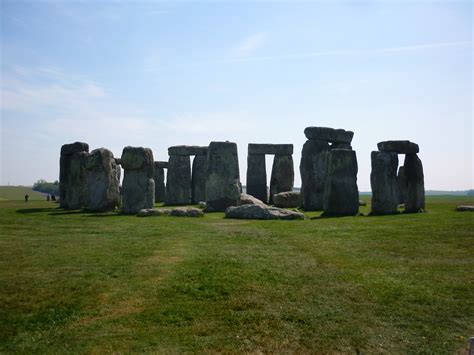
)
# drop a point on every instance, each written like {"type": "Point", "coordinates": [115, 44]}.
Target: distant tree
{"type": "Point", "coordinates": [47, 187]}
{"type": "Point", "coordinates": [470, 192]}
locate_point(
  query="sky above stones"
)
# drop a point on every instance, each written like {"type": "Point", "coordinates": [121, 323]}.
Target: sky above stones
{"type": "Point", "coordinates": [158, 74]}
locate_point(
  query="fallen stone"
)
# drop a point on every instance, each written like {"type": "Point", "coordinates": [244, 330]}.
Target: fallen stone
{"type": "Point", "coordinates": [178, 181]}
{"type": "Point", "coordinates": [102, 181]}
{"type": "Point", "coordinates": [202, 205]}
{"type": "Point", "coordinates": [465, 208]}
{"type": "Point", "coordinates": [138, 186]}
{"type": "Point", "coordinates": [187, 150]}
{"type": "Point", "coordinates": [246, 199]}
{"type": "Point", "coordinates": [329, 134]}
{"type": "Point", "coordinates": [198, 179]}
{"type": "Point", "coordinates": [399, 147]}
{"type": "Point", "coordinates": [186, 212]}
{"type": "Point", "coordinates": [341, 195]}
{"type": "Point", "coordinates": [415, 193]}
{"type": "Point", "coordinates": [383, 180]}
{"type": "Point", "coordinates": [223, 178]}
{"type": "Point", "coordinates": [153, 212]}
{"type": "Point", "coordinates": [270, 149]}
{"type": "Point", "coordinates": [257, 176]}
{"type": "Point", "coordinates": [283, 175]}
{"type": "Point", "coordinates": [287, 199]}
{"type": "Point", "coordinates": [362, 203]}
{"type": "Point", "coordinates": [262, 212]}
{"type": "Point", "coordinates": [313, 169]}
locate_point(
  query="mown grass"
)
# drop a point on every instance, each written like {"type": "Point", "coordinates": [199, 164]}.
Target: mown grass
{"type": "Point", "coordinates": [78, 282]}
{"type": "Point", "coordinates": [18, 193]}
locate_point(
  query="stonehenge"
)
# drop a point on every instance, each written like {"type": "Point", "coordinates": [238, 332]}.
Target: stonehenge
{"type": "Point", "coordinates": [72, 175]}
{"type": "Point", "coordinates": [183, 185]}
{"type": "Point", "coordinates": [390, 189]}
{"type": "Point", "coordinates": [315, 173]}
{"type": "Point", "coordinates": [282, 176]}
{"type": "Point", "coordinates": [138, 187]}
{"type": "Point", "coordinates": [223, 186]}
{"type": "Point", "coordinates": [160, 188]}
{"type": "Point", "coordinates": [102, 181]}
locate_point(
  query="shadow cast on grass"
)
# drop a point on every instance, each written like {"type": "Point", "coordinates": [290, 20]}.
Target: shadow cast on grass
{"type": "Point", "coordinates": [36, 210]}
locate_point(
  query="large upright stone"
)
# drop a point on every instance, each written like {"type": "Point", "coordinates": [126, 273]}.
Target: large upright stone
{"type": "Point", "coordinates": [283, 175]}
{"type": "Point", "coordinates": [198, 180]}
{"type": "Point", "coordinates": [383, 180]}
{"type": "Point", "coordinates": [138, 186]}
{"type": "Point", "coordinates": [160, 188]}
{"type": "Point", "coordinates": [401, 185]}
{"type": "Point", "coordinates": [72, 175]}
{"type": "Point", "coordinates": [329, 134]}
{"type": "Point", "coordinates": [223, 178]}
{"type": "Point", "coordinates": [415, 193]}
{"type": "Point", "coordinates": [178, 181]}
{"type": "Point", "coordinates": [257, 177]}
{"type": "Point", "coordinates": [341, 195]}
{"type": "Point", "coordinates": [313, 169]}
{"type": "Point", "coordinates": [103, 180]}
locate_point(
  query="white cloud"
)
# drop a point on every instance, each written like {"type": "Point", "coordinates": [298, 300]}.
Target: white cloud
{"type": "Point", "coordinates": [248, 45]}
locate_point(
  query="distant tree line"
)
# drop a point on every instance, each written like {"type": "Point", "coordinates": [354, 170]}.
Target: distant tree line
{"type": "Point", "coordinates": [470, 192]}
{"type": "Point", "coordinates": [47, 187]}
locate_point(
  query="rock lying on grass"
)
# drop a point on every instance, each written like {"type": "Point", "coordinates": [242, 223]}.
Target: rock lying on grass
{"type": "Point", "coordinates": [246, 199]}
{"type": "Point", "coordinates": [261, 212]}
{"type": "Point", "coordinates": [176, 212]}
{"type": "Point", "coordinates": [465, 208]}
{"type": "Point", "coordinates": [288, 199]}
{"type": "Point", "coordinates": [362, 203]}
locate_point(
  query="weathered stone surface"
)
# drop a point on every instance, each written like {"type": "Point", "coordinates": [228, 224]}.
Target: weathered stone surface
{"type": "Point", "coordinates": [465, 208]}
{"type": "Point", "coordinates": [400, 147]}
{"type": "Point", "coordinates": [76, 147]}
{"type": "Point", "coordinates": [341, 195]}
{"type": "Point", "coordinates": [138, 186]}
{"type": "Point", "coordinates": [287, 199]}
{"type": "Point", "coordinates": [271, 149]}
{"type": "Point", "coordinates": [246, 199]}
{"type": "Point", "coordinates": [186, 212]}
{"type": "Point", "coordinates": [283, 175]}
{"type": "Point", "coordinates": [178, 180]}
{"type": "Point", "coordinates": [202, 205]}
{"type": "Point", "coordinates": [118, 161]}
{"type": "Point", "coordinates": [102, 181]}
{"type": "Point", "coordinates": [161, 164]}
{"type": "Point", "coordinates": [329, 134]}
{"type": "Point", "coordinates": [160, 188]}
{"type": "Point", "coordinates": [72, 175]}
{"type": "Point", "coordinates": [401, 185]}
{"type": "Point", "coordinates": [187, 150]}
{"type": "Point", "coordinates": [261, 212]}
{"type": "Point", "coordinates": [313, 169]}
{"type": "Point", "coordinates": [257, 177]}
{"type": "Point", "coordinates": [383, 180]}
{"type": "Point", "coordinates": [415, 196]}
{"type": "Point", "coordinates": [134, 158]}
{"type": "Point", "coordinates": [198, 179]}
{"type": "Point", "coordinates": [153, 212]}
{"type": "Point", "coordinates": [341, 146]}
{"type": "Point", "coordinates": [223, 178]}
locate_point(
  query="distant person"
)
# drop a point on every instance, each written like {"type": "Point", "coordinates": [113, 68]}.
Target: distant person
{"type": "Point", "coordinates": [48, 197]}
{"type": "Point", "coordinates": [26, 197]}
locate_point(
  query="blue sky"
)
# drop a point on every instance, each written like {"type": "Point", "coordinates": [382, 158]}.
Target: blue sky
{"type": "Point", "coordinates": [156, 74]}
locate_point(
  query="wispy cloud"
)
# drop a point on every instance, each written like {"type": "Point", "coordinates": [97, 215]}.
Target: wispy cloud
{"type": "Point", "coordinates": [248, 45]}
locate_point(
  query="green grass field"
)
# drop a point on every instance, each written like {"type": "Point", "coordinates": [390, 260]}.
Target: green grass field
{"type": "Point", "coordinates": [18, 193]}
{"type": "Point", "coordinates": [74, 282]}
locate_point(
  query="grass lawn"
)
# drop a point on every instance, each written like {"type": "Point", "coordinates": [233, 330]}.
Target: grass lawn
{"type": "Point", "coordinates": [75, 282]}
{"type": "Point", "coordinates": [19, 192]}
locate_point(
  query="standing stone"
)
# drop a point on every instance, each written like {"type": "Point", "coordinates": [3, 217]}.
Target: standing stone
{"type": "Point", "coordinates": [313, 169]}
{"type": "Point", "coordinates": [138, 187]}
{"type": "Point", "coordinates": [383, 180]}
{"type": "Point", "coordinates": [223, 178]}
{"type": "Point", "coordinates": [72, 175]}
{"type": "Point", "coordinates": [178, 182]}
{"type": "Point", "coordinates": [415, 193]}
{"type": "Point", "coordinates": [160, 189]}
{"type": "Point", "coordinates": [341, 195]}
{"type": "Point", "coordinates": [401, 185]}
{"type": "Point", "coordinates": [198, 185]}
{"type": "Point", "coordinates": [283, 175]}
{"type": "Point", "coordinates": [103, 179]}
{"type": "Point", "coordinates": [257, 177]}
